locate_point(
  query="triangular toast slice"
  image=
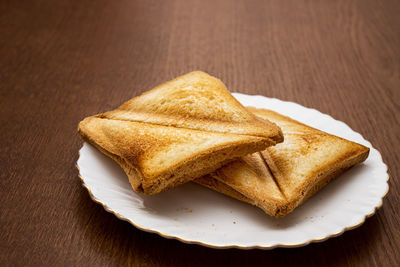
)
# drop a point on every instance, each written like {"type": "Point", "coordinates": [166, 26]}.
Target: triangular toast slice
{"type": "Point", "coordinates": [290, 172]}
{"type": "Point", "coordinates": [162, 140]}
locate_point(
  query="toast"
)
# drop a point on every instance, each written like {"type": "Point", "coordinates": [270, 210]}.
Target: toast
{"type": "Point", "coordinates": [280, 178]}
{"type": "Point", "coordinates": [166, 137]}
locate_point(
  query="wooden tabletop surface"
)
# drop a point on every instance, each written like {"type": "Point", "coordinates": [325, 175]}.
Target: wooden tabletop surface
{"type": "Point", "coordinates": [63, 60]}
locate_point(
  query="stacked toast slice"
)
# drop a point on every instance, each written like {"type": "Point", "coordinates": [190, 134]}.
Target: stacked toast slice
{"type": "Point", "coordinates": [280, 178]}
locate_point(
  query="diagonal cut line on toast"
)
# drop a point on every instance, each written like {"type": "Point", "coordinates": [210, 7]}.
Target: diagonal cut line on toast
{"type": "Point", "coordinates": [273, 137]}
{"type": "Point", "coordinates": [272, 140]}
{"type": "Point", "coordinates": [272, 175]}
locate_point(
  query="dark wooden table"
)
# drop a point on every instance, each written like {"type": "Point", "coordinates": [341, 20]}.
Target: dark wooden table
{"type": "Point", "coordinates": [63, 60]}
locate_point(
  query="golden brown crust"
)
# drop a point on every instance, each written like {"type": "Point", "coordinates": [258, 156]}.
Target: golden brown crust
{"type": "Point", "coordinates": [299, 167]}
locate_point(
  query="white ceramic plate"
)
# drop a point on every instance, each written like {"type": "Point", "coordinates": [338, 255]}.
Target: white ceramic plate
{"type": "Point", "coordinates": [194, 214]}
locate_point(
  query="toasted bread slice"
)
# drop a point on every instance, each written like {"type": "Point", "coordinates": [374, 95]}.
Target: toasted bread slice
{"type": "Point", "coordinates": [288, 173]}
{"type": "Point", "coordinates": [171, 135]}
{"type": "Point", "coordinates": [195, 101]}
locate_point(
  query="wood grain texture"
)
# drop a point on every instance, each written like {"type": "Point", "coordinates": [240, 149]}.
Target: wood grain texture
{"type": "Point", "coordinates": [63, 60]}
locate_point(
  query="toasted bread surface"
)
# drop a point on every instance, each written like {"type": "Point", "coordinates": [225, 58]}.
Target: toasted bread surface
{"type": "Point", "coordinates": [300, 166]}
